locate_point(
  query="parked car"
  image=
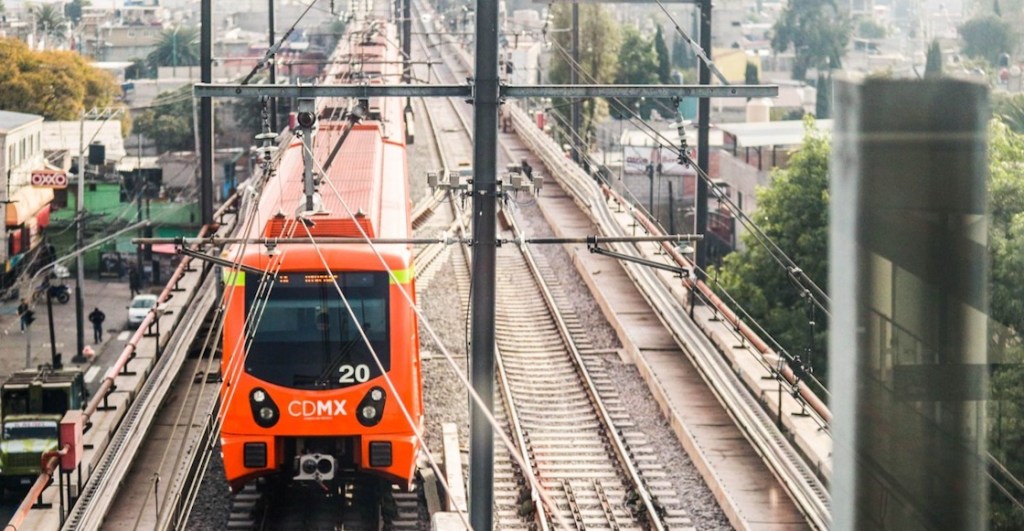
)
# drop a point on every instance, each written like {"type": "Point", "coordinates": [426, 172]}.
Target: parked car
{"type": "Point", "coordinates": [139, 307]}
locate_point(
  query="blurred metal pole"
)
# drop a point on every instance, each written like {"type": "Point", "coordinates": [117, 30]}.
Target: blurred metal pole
{"type": "Point", "coordinates": [206, 113]}
{"type": "Point", "coordinates": [574, 79]}
{"type": "Point", "coordinates": [703, 153]}
{"type": "Point", "coordinates": [909, 279]}
{"type": "Point", "coordinates": [79, 242]}
{"type": "Point", "coordinates": [273, 63]}
{"type": "Point", "coordinates": [485, 131]}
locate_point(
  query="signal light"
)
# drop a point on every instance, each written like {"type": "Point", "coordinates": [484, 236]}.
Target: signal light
{"type": "Point", "coordinates": [306, 119]}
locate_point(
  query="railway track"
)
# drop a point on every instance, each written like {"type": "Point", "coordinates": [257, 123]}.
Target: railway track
{"type": "Point", "coordinates": [573, 433]}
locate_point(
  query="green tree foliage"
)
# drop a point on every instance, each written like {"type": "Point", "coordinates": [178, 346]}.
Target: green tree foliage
{"type": "Point", "coordinates": [933, 63]}
{"type": "Point", "coordinates": [168, 122]}
{"type": "Point", "coordinates": [817, 31]}
{"type": "Point", "coordinates": [599, 48]}
{"type": "Point", "coordinates": [1010, 110]}
{"type": "Point", "coordinates": [73, 10]}
{"type": "Point", "coordinates": [664, 61]}
{"type": "Point", "coordinates": [750, 75]}
{"type": "Point", "coordinates": [793, 212]}
{"type": "Point", "coordinates": [682, 55]}
{"type": "Point", "coordinates": [50, 22]}
{"type": "Point", "coordinates": [56, 84]}
{"type": "Point", "coordinates": [1006, 246]}
{"type": "Point", "coordinates": [823, 97]}
{"type": "Point", "coordinates": [638, 65]}
{"type": "Point", "coordinates": [176, 47]}
{"type": "Point", "coordinates": [986, 37]}
{"type": "Point", "coordinates": [869, 29]}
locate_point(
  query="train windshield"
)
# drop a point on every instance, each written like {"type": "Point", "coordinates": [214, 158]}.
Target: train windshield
{"type": "Point", "coordinates": [306, 337]}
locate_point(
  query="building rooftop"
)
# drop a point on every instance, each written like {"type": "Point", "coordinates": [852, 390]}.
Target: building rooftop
{"type": "Point", "coordinates": [782, 133]}
{"type": "Point", "coordinates": [10, 121]}
{"type": "Point", "coordinates": [59, 136]}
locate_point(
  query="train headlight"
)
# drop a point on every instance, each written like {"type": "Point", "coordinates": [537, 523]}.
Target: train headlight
{"type": "Point", "coordinates": [264, 411]}
{"type": "Point", "coordinates": [308, 466]}
{"type": "Point", "coordinates": [371, 408]}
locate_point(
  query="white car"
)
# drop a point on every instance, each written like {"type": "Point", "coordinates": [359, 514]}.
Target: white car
{"type": "Point", "coordinates": [139, 307]}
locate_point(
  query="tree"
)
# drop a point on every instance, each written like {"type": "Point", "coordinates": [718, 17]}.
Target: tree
{"type": "Point", "coordinates": [682, 55]}
{"type": "Point", "coordinates": [56, 84]}
{"type": "Point", "coordinates": [933, 63]}
{"type": "Point", "coordinates": [823, 97]}
{"type": "Point", "coordinates": [816, 30]}
{"type": "Point", "coordinates": [664, 61]}
{"type": "Point", "coordinates": [1006, 247]}
{"type": "Point", "coordinates": [1010, 110]}
{"type": "Point", "coordinates": [638, 65]}
{"type": "Point", "coordinates": [750, 75]}
{"type": "Point", "coordinates": [168, 122]}
{"type": "Point", "coordinates": [49, 21]}
{"type": "Point", "coordinates": [869, 29]}
{"type": "Point", "coordinates": [73, 10]}
{"type": "Point", "coordinates": [599, 47]}
{"type": "Point", "coordinates": [793, 212]}
{"type": "Point", "coordinates": [176, 47]}
{"type": "Point", "coordinates": [986, 37]}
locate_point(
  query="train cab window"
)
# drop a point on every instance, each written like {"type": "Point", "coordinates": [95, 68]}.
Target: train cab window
{"type": "Point", "coordinates": [306, 337]}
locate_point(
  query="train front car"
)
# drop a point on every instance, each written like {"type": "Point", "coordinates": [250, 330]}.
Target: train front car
{"type": "Point", "coordinates": [304, 395]}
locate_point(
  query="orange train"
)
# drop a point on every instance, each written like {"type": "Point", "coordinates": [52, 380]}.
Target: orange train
{"type": "Point", "coordinates": [303, 396]}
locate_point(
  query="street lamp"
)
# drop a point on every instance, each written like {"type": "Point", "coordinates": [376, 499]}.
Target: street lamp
{"type": "Point", "coordinates": [93, 114]}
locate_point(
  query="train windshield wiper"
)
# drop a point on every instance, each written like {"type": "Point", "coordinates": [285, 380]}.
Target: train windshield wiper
{"type": "Point", "coordinates": [344, 354]}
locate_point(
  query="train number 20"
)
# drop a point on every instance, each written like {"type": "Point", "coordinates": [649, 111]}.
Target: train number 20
{"type": "Point", "coordinates": [354, 373]}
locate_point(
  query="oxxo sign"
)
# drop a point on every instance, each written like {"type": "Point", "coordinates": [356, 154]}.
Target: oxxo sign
{"type": "Point", "coordinates": [49, 179]}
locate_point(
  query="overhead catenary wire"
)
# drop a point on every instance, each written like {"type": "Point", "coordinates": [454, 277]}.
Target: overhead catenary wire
{"type": "Point", "coordinates": [818, 295]}
{"type": "Point", "coordinates": [213, 334]}
{"type": "Point", "coordinates": [524, 466]}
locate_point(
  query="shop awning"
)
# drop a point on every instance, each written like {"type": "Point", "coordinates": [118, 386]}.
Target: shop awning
{"type": "Point", "coordinates": [26, 203]}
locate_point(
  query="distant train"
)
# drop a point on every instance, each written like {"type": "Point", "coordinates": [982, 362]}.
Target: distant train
{"type": "Point", "coordinates": [303, 396]}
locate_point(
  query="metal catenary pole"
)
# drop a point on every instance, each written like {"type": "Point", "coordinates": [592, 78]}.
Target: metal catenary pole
{"type": "Point", "coordinates": [485, 132]}
{"type": "Point", "coordinates": [273, 64]}
{"type": "Point", "coordinates": [206, 115]}
{"type": "Point", "coordinates": [703, 153]}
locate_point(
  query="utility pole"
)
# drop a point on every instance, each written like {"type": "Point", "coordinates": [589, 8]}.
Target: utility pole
{"type": "Point", "coordinates": [485, 189]}
{"type": "Point", "coordinates": [574, 79]}
{"type": "Point", "coordinates": [206, 114]}
{"type": "Point", "coordinates": [703, 154]}
{"type": "Point", "coordinates": [79, 238]}
{"type": "Point", "coordinates": [273, 64]}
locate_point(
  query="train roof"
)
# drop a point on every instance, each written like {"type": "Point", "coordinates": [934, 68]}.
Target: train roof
{"type": "Point", "coordinates": [45, 377]}
{"type": "Point", "coordinates": [359, 190]}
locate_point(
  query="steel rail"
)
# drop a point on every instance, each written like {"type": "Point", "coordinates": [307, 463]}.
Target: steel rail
{"type": "Point", "coordinates": [610, 432]}
{"type": "Point", "coordinates": [809, 495]}
{"type": "Point", "coordinates": [107, 384]}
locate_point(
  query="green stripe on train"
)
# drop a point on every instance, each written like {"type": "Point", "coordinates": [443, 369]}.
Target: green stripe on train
{"type": "Point", "coordinates": [402, 276]}
{"type": "Point", "coordinates": [234, 278]}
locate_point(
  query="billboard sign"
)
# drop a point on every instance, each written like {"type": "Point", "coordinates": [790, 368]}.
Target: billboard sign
{"type": "Point", "coordinates": [49, 179]}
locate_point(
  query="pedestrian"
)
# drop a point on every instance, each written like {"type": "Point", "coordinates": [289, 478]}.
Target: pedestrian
{"type": "Point", "coordinates": [96, 318]}
{"type": "Point", "coordinates": [133, 281]}
{"type": "Point", "coordinates": [527, 170]}
{"type": "Point", "coordinates": [23, 314]}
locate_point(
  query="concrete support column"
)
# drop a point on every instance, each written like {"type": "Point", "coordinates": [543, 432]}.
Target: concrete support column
{"type": "Point", "coordinates": [909, 280]}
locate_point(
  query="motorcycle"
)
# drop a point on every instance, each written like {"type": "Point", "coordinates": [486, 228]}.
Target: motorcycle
{"type": "Point", "coordinates": [60, 292]}
{"type": "Point", "coordinates": [56, 291]}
